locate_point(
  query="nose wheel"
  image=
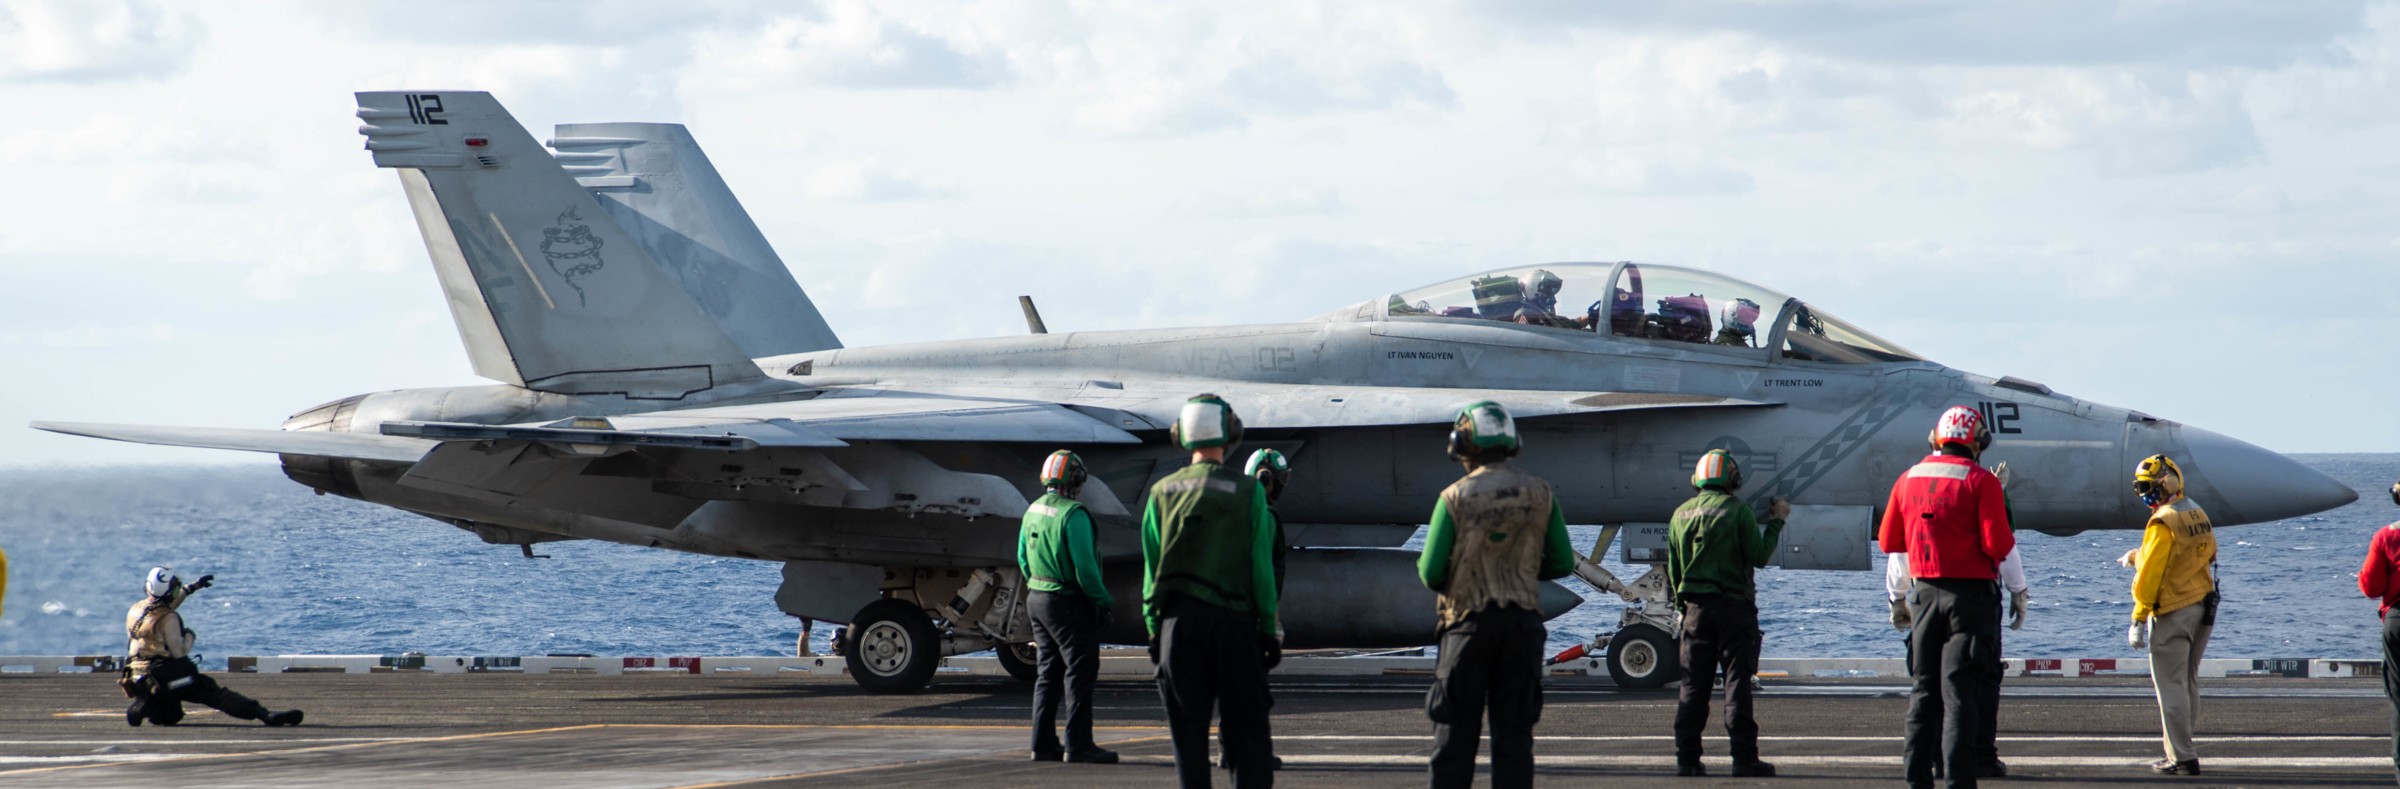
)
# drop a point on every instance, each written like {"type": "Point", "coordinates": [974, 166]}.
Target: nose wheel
{"type": "Point", "coordinates": [1019, 661]}
{"type": "Point", "coordinates": [892, 647]}
{"type": "Point", "coordinates": [1642, 656]}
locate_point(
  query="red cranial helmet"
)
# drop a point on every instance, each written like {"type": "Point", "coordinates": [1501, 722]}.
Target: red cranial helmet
{"type": "Point", "coordinates": [1963, 426]}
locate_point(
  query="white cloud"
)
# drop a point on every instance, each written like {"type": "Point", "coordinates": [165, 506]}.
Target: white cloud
{"type": "Point", "coordinates": [1286, 201]}
{"type": "Point", "coordinates": [2027, 32]}
{"type": "Point", "coordinates": [1171, 71]}
{"type": "Point", "coordinates": [2218, 161]}
{"type": "Point", "coordinates": [84, 335]}
{"type": "Point", "coordinates": [1625, 172]}
{"type": "Point", "coordinates": [846, 45]}
{"type": "Point", "coordinates": [872, 181]}
{"type": "Point", "coordinates": [2129, 126]}
{"type": "Point", "coordinates": [94, 40]}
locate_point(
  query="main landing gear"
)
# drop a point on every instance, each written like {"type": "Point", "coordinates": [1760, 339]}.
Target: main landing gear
{"type": "Point", "coordinates": [895, 644]}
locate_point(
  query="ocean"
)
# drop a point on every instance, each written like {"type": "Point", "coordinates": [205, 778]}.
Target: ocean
{"type": "Point", "coordinates": [299, 573]}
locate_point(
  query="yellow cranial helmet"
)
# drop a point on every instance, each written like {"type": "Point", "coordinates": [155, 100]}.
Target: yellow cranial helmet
{"type": "Point", "coordinates": [2158, 480]}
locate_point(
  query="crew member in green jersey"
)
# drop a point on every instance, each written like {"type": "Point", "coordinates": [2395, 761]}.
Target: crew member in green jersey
{"type": "Point", "coordinates": [1070, 604]}
{"type": "Point", "coordinates": [1713, 543]}
{"type": "Point", "coordinates": [1209, 599]}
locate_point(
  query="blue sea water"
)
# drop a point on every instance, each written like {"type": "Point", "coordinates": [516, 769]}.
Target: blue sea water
{"type": "Point", "coordinates": [299, 573]}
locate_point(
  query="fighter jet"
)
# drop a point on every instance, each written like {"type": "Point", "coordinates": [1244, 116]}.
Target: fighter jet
{"type": "Point", "coordinates": [664, 382]}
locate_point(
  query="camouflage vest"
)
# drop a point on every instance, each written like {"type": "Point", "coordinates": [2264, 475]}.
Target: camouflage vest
{"type": "Point", "coordinates": [1500, 518]}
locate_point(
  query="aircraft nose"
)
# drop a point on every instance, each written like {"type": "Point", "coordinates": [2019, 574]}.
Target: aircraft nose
{"type": "Point", "coordinates": [2254, 485]}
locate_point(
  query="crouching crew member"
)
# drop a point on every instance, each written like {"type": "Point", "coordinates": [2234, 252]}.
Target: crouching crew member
{"type": "Point", "coordinates": [2175, 600]}
{"type": "Point", "coordinates": [1494, 537]}
{"type": "Point", "coordinates": [1070, 607]}
{"type": "Point", "coordinates": [1713, 544]}
{"type": "Point", "coordinates": [159, 673]}
{"type": "Point", "coordinates": [1946, 514]}
{"type": "Point", "coordinates": [1208, 599]}
{"type": "Point", "coordinates": [2379, 578]}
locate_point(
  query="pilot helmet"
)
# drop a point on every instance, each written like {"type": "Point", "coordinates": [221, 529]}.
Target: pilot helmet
{"type": "Point", "coordinates": [1542, 286]}
{"type": "Point", "coordinates": [1717, 469]}
{"type": "Point", "coordinates": [1483, 428]}
{"type": "Point", "coordinates": [2158, 480]}
{"type": "Point", "coordinates": [1741, 316]}
{"type": "Point", "coordinates": [1963, 426]}
{"type": "Point", "coordinates": [161, 581]}
{"type": "Point", "coordinates": [1270, 469]}
{"type": "Point", "coordinates": [1063, 471]}
{"type": "Point", "coordinates": [1207, 421]}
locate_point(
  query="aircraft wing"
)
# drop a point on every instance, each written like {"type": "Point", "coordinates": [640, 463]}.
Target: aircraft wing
{"type": "Point", "coordinates": [889, 415]}
{"type": "Point", "coordinates": [349, 446]}
{"type": "Point", "coordinates": [1371, 406]}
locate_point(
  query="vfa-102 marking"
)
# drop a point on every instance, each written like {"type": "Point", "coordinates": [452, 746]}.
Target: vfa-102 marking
{"type": "Point", "coordinates": [706, 406]}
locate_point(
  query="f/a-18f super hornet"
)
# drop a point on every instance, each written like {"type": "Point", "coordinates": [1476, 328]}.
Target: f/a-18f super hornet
{"type": "Point", "coordinates": [664, 382]}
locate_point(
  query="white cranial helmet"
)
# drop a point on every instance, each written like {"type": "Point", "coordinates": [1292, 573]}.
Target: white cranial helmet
{"type": "Point", "coordinates": [161, 581]}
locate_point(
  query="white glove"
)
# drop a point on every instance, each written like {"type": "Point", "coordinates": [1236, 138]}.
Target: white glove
{"type": "Point", "coordinates": [2137, 635]}
{"type": "Point", "coordinates": [1902, 618]}
{"type": "Point", "coordinates": [2017, 603]}
{"type": "Point", "coordinates": [2001, 471]}
{"type": "Point", "coordinates": [2127, 559]}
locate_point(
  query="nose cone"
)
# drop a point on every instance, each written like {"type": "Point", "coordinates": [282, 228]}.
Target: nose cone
{"type": "Point", "coordinates": [2238, 482]}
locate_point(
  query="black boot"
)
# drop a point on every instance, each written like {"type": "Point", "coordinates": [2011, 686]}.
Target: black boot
{"type": "Point", "coordinates": [1690, 768]}
{"type": "Point", "coordinates": [1096, 755]}
{"type": "Point", "coordinates": [133, 713]}
{"type": "Point", "coordinates": [1753, 769]}
{"type": "Point", "coordinates": [284, 718]}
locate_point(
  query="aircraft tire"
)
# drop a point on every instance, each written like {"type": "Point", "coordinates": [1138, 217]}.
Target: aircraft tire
{"type": "Point", "coordinates": [892, 647]}
{"type": "Point", "coordinates": [1643, 656]}
{"type": "Point", "coordinates": [1018, 660]}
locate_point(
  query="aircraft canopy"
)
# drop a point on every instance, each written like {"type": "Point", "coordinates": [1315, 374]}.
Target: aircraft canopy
{"type": "Point", "coordinates": [1648, 302]}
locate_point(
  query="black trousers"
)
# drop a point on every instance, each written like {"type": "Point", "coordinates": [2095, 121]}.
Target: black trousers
{"type": "Point", "coordinates": [1719, 634]}
{"type": "Point", "coordinates": [1491, 661]}
{"type": "Point", "coordinates": [165, 708]}
{"type": "Point", "coordinates": [1953, 653]}
{"type": "Point", "coordinates": [1209, 661]}
{"type": "Point", "coordinates": [1987, 746]}
{"type": "Point", "coordinates": [2391, 681]}
{"type": "Point", "coordinates": [1066, 640]}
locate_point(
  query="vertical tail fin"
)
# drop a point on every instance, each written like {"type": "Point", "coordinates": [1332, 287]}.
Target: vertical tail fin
{"type": "Point", "coordinates": [659, 186]}
{"type": "Point", "coordinates": [548, 291]}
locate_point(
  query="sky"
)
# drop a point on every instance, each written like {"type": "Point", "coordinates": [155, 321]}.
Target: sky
{"type": "Point", "coordinates": [2184, 208]}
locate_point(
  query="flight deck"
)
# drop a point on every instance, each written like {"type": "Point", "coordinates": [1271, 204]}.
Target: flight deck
{"type": "Point", "coordinates": [665, 730]}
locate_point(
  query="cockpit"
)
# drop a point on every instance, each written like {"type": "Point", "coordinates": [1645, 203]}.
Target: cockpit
{"type": "Point", "coordinates": [1662, 304]}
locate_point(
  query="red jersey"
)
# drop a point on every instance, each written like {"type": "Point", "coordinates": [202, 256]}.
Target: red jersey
{"type": "Point", "coordinates": [2383, 561]}
{"type": "Point", "coordinates": [1947, 514]}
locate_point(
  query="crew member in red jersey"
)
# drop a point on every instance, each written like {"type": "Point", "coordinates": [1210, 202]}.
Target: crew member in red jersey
{"type": "Point", "coordinates": [1947, 515]}
{"type": "Point", "coordinates": [2379, 578]}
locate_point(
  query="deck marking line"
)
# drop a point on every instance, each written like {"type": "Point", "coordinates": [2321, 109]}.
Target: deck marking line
{"type": "Point", "coordinates": [279, 751]}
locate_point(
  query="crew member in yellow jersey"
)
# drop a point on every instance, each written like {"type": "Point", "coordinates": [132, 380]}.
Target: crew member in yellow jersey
{"type": "Point", "coordinates": [2175, 601]}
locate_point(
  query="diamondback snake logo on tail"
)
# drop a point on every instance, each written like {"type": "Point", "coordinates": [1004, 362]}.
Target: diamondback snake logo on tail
{"type": "Point", "coordinates": [573, 252]}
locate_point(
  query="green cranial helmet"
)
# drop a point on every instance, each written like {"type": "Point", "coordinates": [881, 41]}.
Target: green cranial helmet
{"type": "Point", "coordinates": [1207, 421]}
{"type": "Point", "coordinates": [1267, 460]}
{"type": "Point", "coordinates": [1270, 469]}
{"type": "Point", "coordinates": [1717, 469]}
{"type": "Point", "coordinates": [1483, 428]}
